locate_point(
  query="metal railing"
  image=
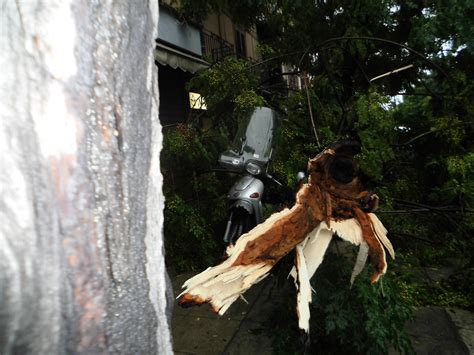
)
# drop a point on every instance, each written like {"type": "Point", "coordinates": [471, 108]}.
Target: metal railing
{"type": "Point", "coordinates": [214, 47]}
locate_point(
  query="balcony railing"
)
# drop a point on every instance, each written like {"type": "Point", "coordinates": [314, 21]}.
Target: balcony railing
{"type": "Point", "coordinates": [214, 47]}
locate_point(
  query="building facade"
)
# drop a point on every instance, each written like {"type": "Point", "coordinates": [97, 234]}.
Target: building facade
{"type": "Point", "coordinates": [183, 48]}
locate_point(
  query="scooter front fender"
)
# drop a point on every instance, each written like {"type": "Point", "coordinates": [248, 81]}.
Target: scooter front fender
{"type": "Point", "coordinates": [247, 193]}
{"type": "Point", "coordinates": [245, 204]}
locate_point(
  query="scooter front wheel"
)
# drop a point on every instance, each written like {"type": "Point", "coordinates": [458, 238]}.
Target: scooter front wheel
{"type": "Point", "coordinates": [241, 222]}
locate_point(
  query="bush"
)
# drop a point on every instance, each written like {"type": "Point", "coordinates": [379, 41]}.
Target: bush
{"type": "Point", "coordinates": [364, 319]}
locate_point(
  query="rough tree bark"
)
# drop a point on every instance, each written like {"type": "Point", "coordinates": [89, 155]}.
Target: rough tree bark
{"type": "Point", "coordinates": [81, 254]}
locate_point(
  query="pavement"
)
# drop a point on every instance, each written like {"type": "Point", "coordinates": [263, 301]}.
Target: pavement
{"type": "Point", "coordinates": [197, 330]}
{"type": "Point", "coordinates": [437, 330]}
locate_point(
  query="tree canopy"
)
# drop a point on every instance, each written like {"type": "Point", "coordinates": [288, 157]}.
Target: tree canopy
{"type": "Point", "coordinates": [395, 75]}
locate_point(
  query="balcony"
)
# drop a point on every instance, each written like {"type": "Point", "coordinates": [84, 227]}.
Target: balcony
{"type": "Point", "coordinates": [214, 47]}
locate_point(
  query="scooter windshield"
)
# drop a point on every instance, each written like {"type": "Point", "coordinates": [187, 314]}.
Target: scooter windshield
{"type": "Point", "coordinates": [253, 142]}
{"type": "Point", "coordinates": [254, 139]}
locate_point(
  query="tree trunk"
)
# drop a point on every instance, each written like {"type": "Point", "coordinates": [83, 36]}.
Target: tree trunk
{"type": "Point", "coordinates": [81, 254]}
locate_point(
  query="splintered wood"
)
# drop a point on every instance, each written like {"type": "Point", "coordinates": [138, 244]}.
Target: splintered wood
{"type": "Point", "coordinates": [334, 201]}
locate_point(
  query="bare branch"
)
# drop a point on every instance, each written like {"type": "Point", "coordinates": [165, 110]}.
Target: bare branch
{"type": "Point", "coordinates": [391, 72]}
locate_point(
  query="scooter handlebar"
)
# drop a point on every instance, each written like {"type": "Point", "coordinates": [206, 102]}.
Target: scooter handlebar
{"type": "Point", "coordinates": [223, 170]}
{"type": "Point", "coordinates": [268, 176]}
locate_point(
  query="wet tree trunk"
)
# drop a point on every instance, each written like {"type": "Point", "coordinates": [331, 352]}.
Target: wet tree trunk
{"type": "Point", "coordinates": [81, 254]}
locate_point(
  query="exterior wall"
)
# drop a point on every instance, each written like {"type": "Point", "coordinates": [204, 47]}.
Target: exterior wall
{"type": "Point", "coordinates": [222, 26]}
{"type": "Point", "coordinates": [179, 34]}
{"type": "Point", "coordinates": [251, 42]}
{"type": "Point", "coordinates": [212, 24]}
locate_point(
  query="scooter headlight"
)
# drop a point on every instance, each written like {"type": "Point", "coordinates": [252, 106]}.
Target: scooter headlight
{"type": "Point", "coordinates": [252, 168]}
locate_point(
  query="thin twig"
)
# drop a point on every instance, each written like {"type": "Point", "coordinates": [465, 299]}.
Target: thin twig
{"type": "Point", "coordinates": [427, 210]}
{"type": "Point", "coordinates": [319, 46]}
{"type": "Point", "coordinates": [414, 210]}
{"type": "Point", "coordinates": [302, 57]}
{"type": "Point", "coordinates": [418, 94]}
{"type": "Point", "coordinates": [437, 210]}
{"type": "Point", "coordinates": [306, 84]}
{"type": "Point", "coordinates": [426, 86]}
{"type": "Point", "coordinates": [363, 72]}
{"type": "Point", "coordinates": [433, 131]}
{"type": "Point", "coordinates": [338, 99]}
{"type": "Point", "coordinates": [434, 208]}
{"type": "Point", "coordinates": [383, 40]}
{"type": "Point", "coordinates": [400, 234]}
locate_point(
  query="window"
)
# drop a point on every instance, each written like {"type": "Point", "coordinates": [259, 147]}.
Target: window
{"type": "Point", "coordinates": [196, 101]}
{"type": "Point", "coordinates": [240, 48]}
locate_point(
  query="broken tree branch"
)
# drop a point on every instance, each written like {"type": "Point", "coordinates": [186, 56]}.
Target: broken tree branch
{"type": "Point", "coordinates": [333, 201]}
{"type": "Point", "coordinates": [391, 72]}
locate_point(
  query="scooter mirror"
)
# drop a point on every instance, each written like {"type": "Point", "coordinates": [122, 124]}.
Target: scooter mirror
{"type": "Point", "coordinates": [300, 177]}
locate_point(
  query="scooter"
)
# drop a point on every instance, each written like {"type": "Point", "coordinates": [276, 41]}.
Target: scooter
{"type": "Point", "coordinates": [249, 156]}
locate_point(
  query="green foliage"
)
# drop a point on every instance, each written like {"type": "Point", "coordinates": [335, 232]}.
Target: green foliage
{"type": "Point", "coordinates": [196, 210]}
{"type": "Point", "coordinates": [438, 293]}
{"type": "Point", "coordinates": [378, 308]}
{"type": "Point", "coordinates": [229, 88]}
{"type": "Point", "coordinates": [242, 12]}
{"type": "Point", "coordinates": [364, 319]}
{"type": "Point", "coordinates": [195, 204]}
{"type": "Point", "coordinates": [417, 289]}
{"type": "Point", "coordinates": [191, 232]}
{"type": "Point", "coordinates": [461, 183]}
{"type": "Point", "coordinates": [377, 130]}
{"type": "Point", "coordinates": [418, 152]}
